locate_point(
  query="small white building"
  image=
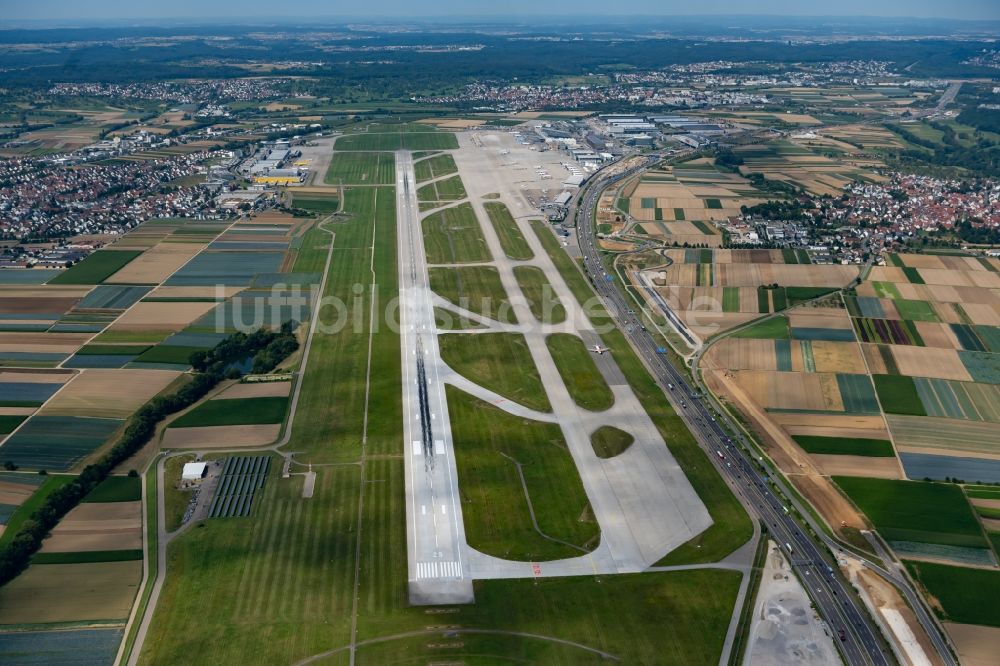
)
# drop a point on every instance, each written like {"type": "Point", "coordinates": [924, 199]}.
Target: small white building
{"type": "Point", "coordinates": [193, 472]}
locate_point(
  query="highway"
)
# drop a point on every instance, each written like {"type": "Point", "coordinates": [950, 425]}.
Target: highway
{"type": "Point", "coordinates": [860, 641]}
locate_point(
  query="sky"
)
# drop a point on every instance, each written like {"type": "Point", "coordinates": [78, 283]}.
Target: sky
{"type": "Point", "coordinates": [97, 10]}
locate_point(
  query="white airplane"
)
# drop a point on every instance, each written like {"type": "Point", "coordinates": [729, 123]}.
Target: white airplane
{"type": "Point", "coordinates": [598, 349]}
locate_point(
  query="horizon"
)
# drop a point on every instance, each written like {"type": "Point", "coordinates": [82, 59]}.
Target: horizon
{"type": "Point", "coordinates": [115, 11]}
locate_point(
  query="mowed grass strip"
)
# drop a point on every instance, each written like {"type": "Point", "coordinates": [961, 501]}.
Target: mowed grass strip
{"type": "Point", "coordinates": [474, 288]}
{"type": "Point", "coordinates": [235, 411]}
{"type": "Point", "coordinates": [609, 441]}
{"type": "Point", "coordinates": [280, 579]}
{"type": "Point", "coordinates": [96, 268]}
{"type": "Point", "coordinates": [488, 444]}
{"type": "Point", "coordinates": [434, 167]}
{"type": "Point", "coordinates": [453, 236]}
{"type": "Point", "coordinates": [511, 239]}
{"type": "Point", "coordinates": [542, 299]}
{"type": "Point", "coordinates": [920, 511]}
{"type": "Point", "coordinates": [499, 362]}
{"type": "Point", "coordinates": [649, 618]}
{"type": "Point", "coordinates": [361, 169]}
{"type": "Point", "coordinates": [579, 372]}
{"type": "Point", "coordinates": [845, 446]}
{"type": "Point", "coordinates": [963, 594]}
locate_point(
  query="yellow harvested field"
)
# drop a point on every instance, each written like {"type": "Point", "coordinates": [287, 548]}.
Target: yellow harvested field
{"type": "Point", "coordinates": [741, 354]}
{"type": "Point", "coordinates": [977, 645]}
{"type": "Point", "coordinates": [819, 318]}
{"type": "Point", "coordinates": [936, 335]}
{"type": "Point", "coordinates": [922, 261]}
{"type": "Point", "coordinates": [930, 362]}
{"type": "Point", "coordinates": [36, 376]}
{"type": "Point", "coordinates": [988, 315]}
{"type": "Point", "coordinates": [156, 264]}
{"type": "Point", "coordinates": [256, 390]}
{"type": "Point", "coordinates": [887, 274]}
{"type": "Point", "coordinates": [876, 364]}
{"type": "Point", "coordinates": [838, 357]}
{"type": "Point", "coordinates": [220, 437]}
{"type": "Point", "coordinates": [97, 526]}
{"type": "Point", "coordinates": [161, 316]}
{"type": "Point", "coordinates": [879, 468]}
{"type": "Point", "coordinates": [108, 393]}
{"type": "Point", "coordinates": [15, 493]}
{"type": "Point", "coordinates": [791, 390]}
{"type": "Point", "coordinates": [991, 524]}
{"type": "Point", "coordinates": [987, 503]}
{"type": "Point", "coordinates": [70, 593]}
{"type": "Point", "coordinates": [42, 342]}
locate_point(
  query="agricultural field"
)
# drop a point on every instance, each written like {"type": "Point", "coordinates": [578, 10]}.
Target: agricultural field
{"type": "Point", "coordinates": [240, 415]}
{"type": "Point", "coordinates": [674, 203]}
{"type": "Point", "coordinates": [921, 518]}
{"type": "Point", "coordinates": [714, 290]}
{"type": "Point", "coordinates": [797, 164]}
{"type": "Point", "coordinates": [122, 324]}
{"type": "Point", "coordinates": [924, 329]}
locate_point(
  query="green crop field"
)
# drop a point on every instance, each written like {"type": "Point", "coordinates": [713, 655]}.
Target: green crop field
{"type": "Point", "coordinates": [898, 395]}
{"type": "Point", "coordinates": [96, 268]}
{"type": "Point", "coordinates": [511, 239]}
{"type": "Point", "coordinates": [965, 595]}
{"type": "Point", "coordinates": [88, 556]}
{"type": "Point", "coordinates": [919, 511]}
{"type": "Point", "coordinates": [579, 372]}
{"type": "Point", "coordinates": [453, 236]}
{"type": "Point", "coordinates": [57, 442]}
{"type": "Point", "coordinates": [9, 422]}
{"type": "Point", "coordinates": [172, 354]}
{"type": "Point", "coordinates": [731, 526]}
{"type": "Point", "coordinates": [775, 328]}
{"type": "Point", "coordinates": [489, 445]}
{"type": "Point", "coordinates": [845, 446]}
{"type": "Point", "coordinates": [116, 489]}
{"type": "Point", "coordinates": [474, 288]}
{"type": "Point", "coordinates": [915, 310]}
{"type": "Point", "coordinates": [542, 300]}
{"type": "Point", "coordinates": [361, 169]}
{"type": "Point", "coordinates": [235, 411]}
{"type": "Point", "coordinates": [500, 362]}
{"type": "Point", "coordinates": [609, 441]}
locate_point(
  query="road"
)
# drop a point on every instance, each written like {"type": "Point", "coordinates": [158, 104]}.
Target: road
{"type": "Point", "coordinates": [435, 533]}
{"type": "Point", "coordinates": [828, 591]}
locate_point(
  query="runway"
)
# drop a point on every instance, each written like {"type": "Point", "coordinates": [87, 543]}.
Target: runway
{"type": "Point", "coordinates": [437, 570]}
